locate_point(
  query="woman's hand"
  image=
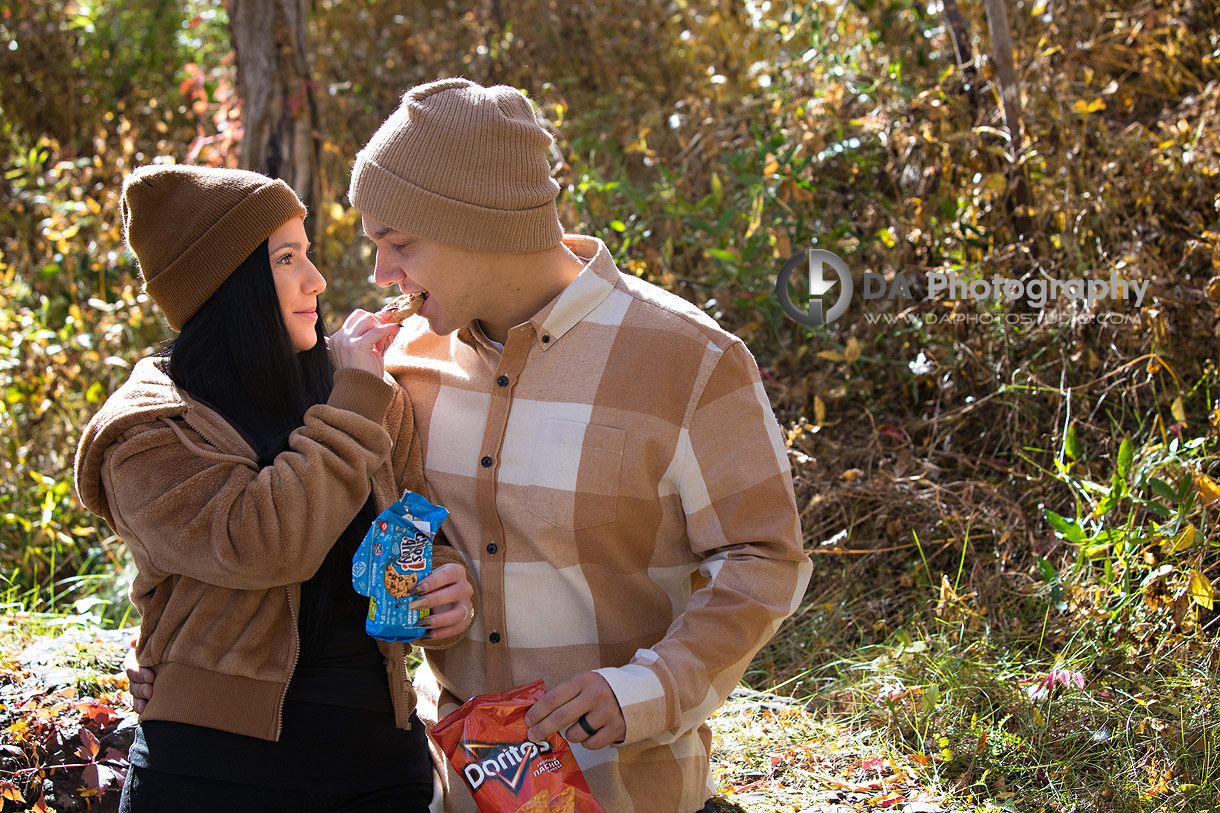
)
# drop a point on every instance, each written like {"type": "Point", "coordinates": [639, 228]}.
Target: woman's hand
{"type": "Point", "coordinates": [139, 680]}
{"type": "Point", "coordinates": [361, 342]}
{"type": "Point", "coordinates": [447, 592]}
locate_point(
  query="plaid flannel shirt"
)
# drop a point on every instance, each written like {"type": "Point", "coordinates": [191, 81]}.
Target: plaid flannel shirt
{"type": "Point", "coordinates": [619, 485]}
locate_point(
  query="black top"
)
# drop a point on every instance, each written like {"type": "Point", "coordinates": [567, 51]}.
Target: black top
{"type": "Point", "coordinates": [338, 731]}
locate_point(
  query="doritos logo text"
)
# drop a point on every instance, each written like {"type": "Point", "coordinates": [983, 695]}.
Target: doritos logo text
{"type": "Point", "coordinates": [508, 763]}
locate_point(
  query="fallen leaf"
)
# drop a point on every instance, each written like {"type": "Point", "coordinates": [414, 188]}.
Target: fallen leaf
{"type": "Point", "coordinates": [1200, 589]}
{"type": "Point", "coordinates": [852, 353]}
{"type": "Point", "coordinates": [889, 430]}
{"type": "Point", "coordinates": [9, 791]}
{"type": "Point", "coordinates": [1084, 108]}
{"type": "Point", "coordinates": [1178, 410]}
{"type": "Point", "coordinates": [1209, 489]}
{"type": "Point", "coordinates": [99, 777]}
{"type": "Point", "coordinates": [1184, 539]}
{"type": "Point", "coordinates": [89, 745]}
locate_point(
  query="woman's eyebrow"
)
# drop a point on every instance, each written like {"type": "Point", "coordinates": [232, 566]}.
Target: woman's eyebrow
{"type": "Point", "coordinates": [295, 245]}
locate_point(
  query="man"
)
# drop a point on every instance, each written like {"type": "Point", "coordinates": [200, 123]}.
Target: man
{"type": "Point", "coordinates": [612, 468]}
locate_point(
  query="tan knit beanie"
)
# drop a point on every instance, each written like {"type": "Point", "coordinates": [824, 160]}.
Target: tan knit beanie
{"type": "Point", "coordinates": [190, 227]}
{"type": "Point", "coordinates": [463, 165]}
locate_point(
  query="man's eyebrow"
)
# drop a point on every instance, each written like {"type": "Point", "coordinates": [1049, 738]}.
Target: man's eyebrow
{"type": "Point", "coordinates": [382, 232]}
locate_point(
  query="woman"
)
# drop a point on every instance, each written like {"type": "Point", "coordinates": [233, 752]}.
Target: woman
{"type": "Point", "coordinates": [242, 466]}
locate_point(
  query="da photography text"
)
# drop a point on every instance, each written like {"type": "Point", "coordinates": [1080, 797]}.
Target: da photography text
{"type": "Point", "coordinates": [1036, 292]}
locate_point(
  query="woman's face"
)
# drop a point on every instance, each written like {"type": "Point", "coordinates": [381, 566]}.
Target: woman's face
{"type": "Point", "coordinates": [297, 282]}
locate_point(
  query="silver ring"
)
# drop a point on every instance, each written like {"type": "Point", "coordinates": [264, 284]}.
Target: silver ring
{"type": "Point", "coordinates": [467, 612]}
{"type": "Point", "coordinates": [583, 722]}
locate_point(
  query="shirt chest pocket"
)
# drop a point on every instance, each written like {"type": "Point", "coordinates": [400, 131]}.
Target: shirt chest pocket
{"type": "Point", "coordinates": [573, 474]}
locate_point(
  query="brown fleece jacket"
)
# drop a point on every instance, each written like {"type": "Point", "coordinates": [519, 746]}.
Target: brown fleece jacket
{"type": "Point", "coordinates": [222, 546]}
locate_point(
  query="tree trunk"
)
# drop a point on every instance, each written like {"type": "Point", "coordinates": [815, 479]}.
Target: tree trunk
{"type": "Point", "coordinates": [1001, 50]}
{"type": "Point", "coordinates": [278, 109]}
{"type": "Point", "coordinates": [1010, 97]}
{"type": "Point", "coordinates": [965, 54]}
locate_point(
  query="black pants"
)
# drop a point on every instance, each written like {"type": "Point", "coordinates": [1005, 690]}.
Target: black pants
{"type": "Point", "coordinates": [149, 791]}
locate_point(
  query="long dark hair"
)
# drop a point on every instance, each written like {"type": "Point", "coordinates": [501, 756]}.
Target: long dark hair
{"type": "Point", "coordinates": [235, 355]}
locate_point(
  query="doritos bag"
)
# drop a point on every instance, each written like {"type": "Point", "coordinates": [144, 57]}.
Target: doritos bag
{"type": "Point", "coordinates": [396, 554]}
{"type": "Point", "coordinates": [506, 773]}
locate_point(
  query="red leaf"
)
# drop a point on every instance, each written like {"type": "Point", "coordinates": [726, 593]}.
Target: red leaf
{"type": "Point", "coordinates": [1056, 677]}
{"type": "Point", "coordinates": [97, 713]}
{"type": "Point", "coordinates": [89, 745]}
{"type": "Point", "coordinates": [889, 430]}
{"type": "Point", "coordinates": [114, 756]}
{"type": "Point", "coordinates": [99, 777]}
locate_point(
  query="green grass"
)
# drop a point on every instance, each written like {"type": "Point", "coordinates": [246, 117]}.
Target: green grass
{"type": "Point", "coordinates": [967, 719]}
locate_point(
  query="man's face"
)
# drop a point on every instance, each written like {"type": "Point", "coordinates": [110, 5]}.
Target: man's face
{"type": "Point", "coordinates": [448, 276]}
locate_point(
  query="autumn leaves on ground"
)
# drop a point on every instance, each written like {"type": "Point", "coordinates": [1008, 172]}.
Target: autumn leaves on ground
{"type": "Point", "coordinates": [1011, 509]}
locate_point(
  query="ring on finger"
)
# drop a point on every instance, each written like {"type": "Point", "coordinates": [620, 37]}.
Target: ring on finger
{"type": "Point", "coordinates": [583, 722]}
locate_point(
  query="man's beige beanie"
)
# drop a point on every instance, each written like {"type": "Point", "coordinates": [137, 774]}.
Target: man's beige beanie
{"type": "Point", "coordinates": [191, 227]}
{"type": "Point", "coordinates": [463, 165]}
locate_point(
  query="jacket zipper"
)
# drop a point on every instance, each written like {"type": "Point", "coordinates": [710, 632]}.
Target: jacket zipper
{"type": "Point", "coordinates": [397, 661]}
{"type": "Point", "coordinates": [296, 657]}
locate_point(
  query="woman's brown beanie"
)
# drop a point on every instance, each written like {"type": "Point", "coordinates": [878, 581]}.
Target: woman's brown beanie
{"type": "Point", "coordinates": [463, 165]}
{"type": "Point", "coordinates": [190, 227]}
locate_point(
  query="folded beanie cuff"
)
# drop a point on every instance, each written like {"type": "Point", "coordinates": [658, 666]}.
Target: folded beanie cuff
{"type": "Point", "coordinates": [182, 287]}
{"type": "Point", "coordinates": [396, 202]}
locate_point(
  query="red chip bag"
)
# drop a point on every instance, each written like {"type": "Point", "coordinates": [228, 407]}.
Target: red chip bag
{"type": "Point", "coordinates": [506, 773]}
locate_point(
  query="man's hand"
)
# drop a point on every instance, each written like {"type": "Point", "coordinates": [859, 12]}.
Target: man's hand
{"type": "Point", "coordinates": [139, 680]}
{"type": "Point", "coordinates": [587, 694]}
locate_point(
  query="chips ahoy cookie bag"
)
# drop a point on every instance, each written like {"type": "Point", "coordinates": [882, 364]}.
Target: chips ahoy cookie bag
{"type": "Point", "coordinates": [396, 554]}
{"type": "Point", "coordinates": [506, 772]}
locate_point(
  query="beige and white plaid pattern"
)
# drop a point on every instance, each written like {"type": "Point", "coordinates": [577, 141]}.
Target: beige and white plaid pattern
{"type": "Point", "coordinates": [617, 481]}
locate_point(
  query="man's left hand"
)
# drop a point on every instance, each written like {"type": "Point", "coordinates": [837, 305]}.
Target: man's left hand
{"type": "Point", "coordinates": [587, 694]}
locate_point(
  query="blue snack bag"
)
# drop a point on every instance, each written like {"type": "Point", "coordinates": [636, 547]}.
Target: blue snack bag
{"type": "Point", "coordinates": [396, 554]}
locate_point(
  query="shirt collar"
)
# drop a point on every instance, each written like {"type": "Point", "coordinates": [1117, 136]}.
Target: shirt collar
{"type": "Point", "coordinates": [591, 286]}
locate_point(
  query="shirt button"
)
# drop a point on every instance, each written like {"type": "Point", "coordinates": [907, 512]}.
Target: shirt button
{"type": "Point", "coordinates": [494, 637]}
{"type": "Point", "coordinates": [546, 339]}
{"type": "Point", "coordinates": [492, 548]}
{"type": "Point", "coordinates": [502, 381]}
{"type": "Point", "coordinates": [487, 461]}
